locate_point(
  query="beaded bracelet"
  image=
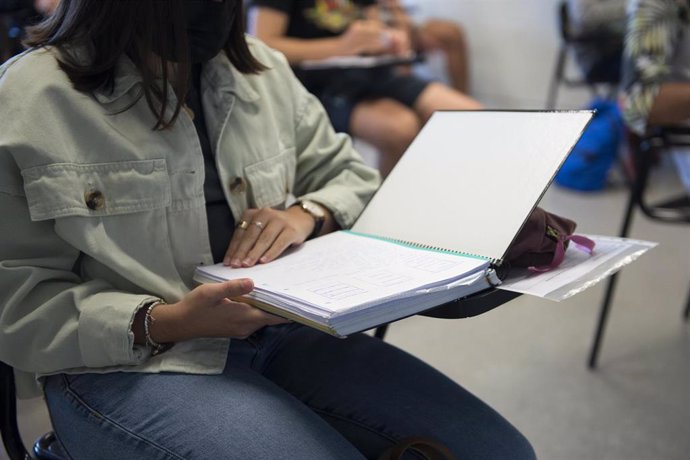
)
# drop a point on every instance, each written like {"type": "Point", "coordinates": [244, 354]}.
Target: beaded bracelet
{"type": "Point", "coordinates": [156, 348]}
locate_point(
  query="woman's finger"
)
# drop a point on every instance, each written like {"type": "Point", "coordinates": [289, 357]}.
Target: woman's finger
{"type": "Point", "coordinates": [241, 227]}
{"type": "Point", "coordinates": [266, 239]}
{"type": "Point", "coordinates": [246, 243]}
{"type": "Point", "coordinates": [250, 235]}
{"type": "Point", "coordinates": [212, 293]}
{"type": "Point", "coordinates": [285, 239]}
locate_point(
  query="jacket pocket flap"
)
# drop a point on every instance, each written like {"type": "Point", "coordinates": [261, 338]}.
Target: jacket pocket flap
{"type": "Point", "coordinates": [96, 189]}
{"type": "Point", "coordinates": [271, 179]}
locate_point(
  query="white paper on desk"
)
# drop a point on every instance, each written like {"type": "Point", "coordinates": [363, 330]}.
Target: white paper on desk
{"type": "Point", "coordinates": [354, 62]}
{"type": "Point", "coordinates": [579, 270]}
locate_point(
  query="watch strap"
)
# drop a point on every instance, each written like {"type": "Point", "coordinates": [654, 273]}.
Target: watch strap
{"type": "Point", "coordinates": [319, 219]}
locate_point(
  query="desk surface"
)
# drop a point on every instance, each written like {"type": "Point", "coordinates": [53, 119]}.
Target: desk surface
{"type": "Point", "coordinates": [473, 305]}
{"type": "Point", "coordinates": [358, 62]}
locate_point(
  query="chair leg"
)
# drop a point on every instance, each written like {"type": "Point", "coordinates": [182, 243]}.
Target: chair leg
{"type": "Point", "coordinates": [380, 332]}
{"type": "Point", "coordinates": [601, 324]}
{"type": "Point", "coordinates": [686, 313]}
{"type": "Point", "coordinates": [556, 79]}
{"type": "Point", "coordinates": [610, 288]}
{"type": "Point", "coordinates": [11, 438]}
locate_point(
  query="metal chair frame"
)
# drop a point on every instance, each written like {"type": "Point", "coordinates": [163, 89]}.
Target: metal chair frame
{"type": "Point", "coordinates": [675, 210]}
{"type": "Point", "coordinates": [44, 448]}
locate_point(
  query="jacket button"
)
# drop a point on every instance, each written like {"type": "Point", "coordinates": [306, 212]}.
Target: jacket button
{"type": "Point", "coordinates": [95, 200]}
{"type": "Point", "coordinates": [238, 185]}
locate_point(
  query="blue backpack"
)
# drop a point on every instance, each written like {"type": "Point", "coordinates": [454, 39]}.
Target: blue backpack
{"type": "Point", "coordinates": [588, 165]}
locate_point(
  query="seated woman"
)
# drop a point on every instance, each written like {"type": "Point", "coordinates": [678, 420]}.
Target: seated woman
{"type": "Point", "coordinates": [656, 70]}
{"type": "Point", "coordinates": [381, 106]}
{"type": "Point", "coordinates": [140, 132]}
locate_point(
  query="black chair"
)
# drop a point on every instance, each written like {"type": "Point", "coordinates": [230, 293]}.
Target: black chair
{"type": "Point", "coordinates": [645, 153]}
{"type": "Point", "coordinates": [46, 447]}
{"type": "Point", "coordinates": [602, 74]}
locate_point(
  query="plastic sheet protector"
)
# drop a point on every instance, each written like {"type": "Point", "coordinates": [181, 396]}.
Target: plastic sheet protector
{"type": "Point", "coordinates": [579, 270]}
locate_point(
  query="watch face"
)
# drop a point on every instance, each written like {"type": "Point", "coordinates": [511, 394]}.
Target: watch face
{"type": "Point", "coordinates": [313, 209]}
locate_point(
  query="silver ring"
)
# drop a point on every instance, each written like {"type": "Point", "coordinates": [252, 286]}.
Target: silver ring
{"type": "Point", "coordinates": [243, 225]}
{"type": "Point", "coordinates": [259, 224]}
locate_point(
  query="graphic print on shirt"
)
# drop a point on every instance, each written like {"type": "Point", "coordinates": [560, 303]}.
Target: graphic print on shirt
{"type": "Point", "coordinates": [333, 15]}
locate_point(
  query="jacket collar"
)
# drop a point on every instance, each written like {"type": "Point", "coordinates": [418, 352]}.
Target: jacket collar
{"type": "Point", "coordinates": [224, 77]}
{"type": "Point", "coordinates": [221, 74]}
{"type": "Point", "coordinates": [126, 77]}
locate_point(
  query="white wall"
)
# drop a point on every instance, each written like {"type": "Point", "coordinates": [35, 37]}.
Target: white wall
{"type": "Point", "coordinates": [513, 46]}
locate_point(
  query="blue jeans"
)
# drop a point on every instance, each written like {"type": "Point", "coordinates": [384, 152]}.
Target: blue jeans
{"type": "Point", "coordinates": [287, 392]}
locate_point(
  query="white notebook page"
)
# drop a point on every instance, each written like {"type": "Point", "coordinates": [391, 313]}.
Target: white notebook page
{"type": "Point", "coordinates": [470, 179]}
{"type": "Point", "coordinates": [339, 271]}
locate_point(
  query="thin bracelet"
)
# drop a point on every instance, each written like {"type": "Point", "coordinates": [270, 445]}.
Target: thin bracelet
{"type": "Point", "coordinates": [156, 348]}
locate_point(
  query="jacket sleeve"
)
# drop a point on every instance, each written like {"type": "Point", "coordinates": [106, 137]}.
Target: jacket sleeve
{"type": "Point", "coordinates": [51, 319]}
{"type": "Point", "coordinates": [329, 170]}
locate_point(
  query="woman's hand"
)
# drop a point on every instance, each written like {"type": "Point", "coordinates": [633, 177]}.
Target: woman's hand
{"type": "Point", "coordinates": [207, 311]}
{"type": "Point", "coordinates": [263, 234]}
{"type": "Point", "coordinates": [364, 37]}
{"type": "Point", "coordinates": [399, 42]}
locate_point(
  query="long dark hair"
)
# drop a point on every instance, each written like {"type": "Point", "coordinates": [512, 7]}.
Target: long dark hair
{"type": "Point", "coordinates": [152, 33]}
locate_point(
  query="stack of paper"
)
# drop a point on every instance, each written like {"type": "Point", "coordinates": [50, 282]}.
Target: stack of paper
{"type": "Point", "coordinates": [343, 282]}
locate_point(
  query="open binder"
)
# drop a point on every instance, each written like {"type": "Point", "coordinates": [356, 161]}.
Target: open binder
{"type": "Point", "coordinates": [433, 233]}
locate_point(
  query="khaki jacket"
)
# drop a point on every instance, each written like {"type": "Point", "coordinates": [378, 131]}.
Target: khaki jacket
{"type": "Point", "coordinates": [101, 214]}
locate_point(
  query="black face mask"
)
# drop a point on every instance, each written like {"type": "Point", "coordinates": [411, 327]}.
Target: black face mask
{"type": "Point", "coordinates": [209, 24]}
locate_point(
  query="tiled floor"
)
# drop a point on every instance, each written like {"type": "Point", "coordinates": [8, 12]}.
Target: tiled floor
{"type": "Point", "coordinates": [527, 358]}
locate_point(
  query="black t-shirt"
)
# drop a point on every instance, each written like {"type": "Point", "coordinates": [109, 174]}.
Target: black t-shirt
{"type": "Point", "coordinates": [221, 222]}
{"type": "Point", "coordinates": [313, 19]}
{"type": "Point", "coordinates": [317, 18]}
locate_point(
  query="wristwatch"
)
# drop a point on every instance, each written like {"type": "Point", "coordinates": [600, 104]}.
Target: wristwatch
{"type": "Point", "coordinates": [316, 212]}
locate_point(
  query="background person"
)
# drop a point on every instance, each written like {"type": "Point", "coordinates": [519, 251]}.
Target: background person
{"type": "Point", "coordinates": [656, 70]}
{"type": "Point", "coordinates": [431, 36]}
{"type": "Point", "coordinates": [381, 106]}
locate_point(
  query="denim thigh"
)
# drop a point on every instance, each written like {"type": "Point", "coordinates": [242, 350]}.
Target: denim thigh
{"type": "Point", "coordinates": [237, 415]}
{"type": "Point", "coordinates": [286, 392]}
{"type": "Point", "coordinates": [375, 395]}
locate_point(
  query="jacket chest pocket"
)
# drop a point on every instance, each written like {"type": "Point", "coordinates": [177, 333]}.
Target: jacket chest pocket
{"type": "Point", "coordinates": [96, 189]}
{"type": "Point", "coordinates": [271, 180]}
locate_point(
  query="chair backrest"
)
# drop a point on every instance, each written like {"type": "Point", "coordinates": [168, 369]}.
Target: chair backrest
{"type": "Point", "coordinates": [598, 47]}
{"type": "Point", "coordinates": [9, 429]}
{"type": "Point", "coordinates": [646, 151]}
{"type": "Point", "coordinates": [597, 51]}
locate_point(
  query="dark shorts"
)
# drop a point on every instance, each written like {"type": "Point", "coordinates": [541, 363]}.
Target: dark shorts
{"type": "Point", "coordinates": [340, 91]}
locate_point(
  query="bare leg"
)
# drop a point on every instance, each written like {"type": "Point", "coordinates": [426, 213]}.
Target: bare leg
{"type": "Point", "coordinates": [440, 97]}
{"type": "Point", "coordinates": [449, 38]}
{"type": "Point", "coordinates": [388, 125]}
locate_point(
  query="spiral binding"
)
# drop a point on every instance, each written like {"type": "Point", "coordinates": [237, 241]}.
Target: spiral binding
{"type": "Point", "coordinates": [429, 247]}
